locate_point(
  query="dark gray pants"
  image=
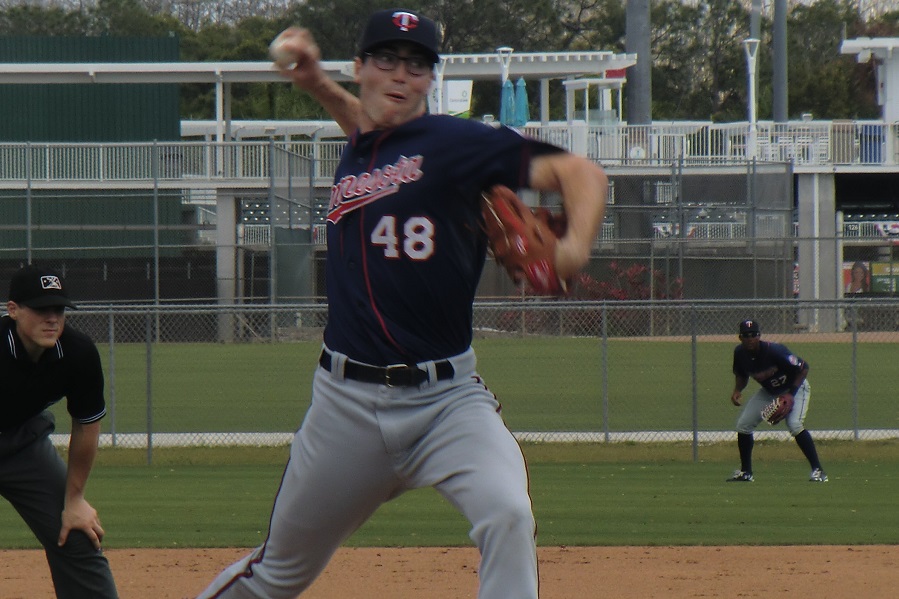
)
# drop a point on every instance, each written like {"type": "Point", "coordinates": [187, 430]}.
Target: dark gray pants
{"type": "Point", "coordinates": [33, 480]}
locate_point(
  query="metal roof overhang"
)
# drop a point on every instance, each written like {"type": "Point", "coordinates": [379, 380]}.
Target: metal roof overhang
{"type": "Point", "coordinates": [533, 65]}
{"type": "Point", "coordinates": [153, 72]}
{"type": "Point", "coordinates": [540, 65]}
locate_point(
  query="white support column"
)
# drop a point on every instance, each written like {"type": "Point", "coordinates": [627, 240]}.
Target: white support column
{"type": "Point", "coordinates": [544, 101]}
{"type": "Point", "coordinates": [219, 123]}
{"type": "Point", "coordinates": [439, 91]}
{"type": "Point", "coordinates": [818, 247]}
{"type": "Point", "coordinates": [226, 260]}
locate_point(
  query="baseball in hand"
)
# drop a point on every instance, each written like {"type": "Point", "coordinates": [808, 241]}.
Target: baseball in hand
{"type": "Point", "coordinates": [281, 55]}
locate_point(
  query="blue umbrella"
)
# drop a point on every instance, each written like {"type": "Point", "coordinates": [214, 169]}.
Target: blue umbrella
{"type": "Point", "coordinates": [522, 114]}
{"type": "Point", "coordinates": [507, 104]}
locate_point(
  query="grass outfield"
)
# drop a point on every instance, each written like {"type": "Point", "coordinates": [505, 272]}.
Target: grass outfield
{"type": "Point", "coordinates": [620, 494]}
{"type": "Point", "coordinates": [545, 384]}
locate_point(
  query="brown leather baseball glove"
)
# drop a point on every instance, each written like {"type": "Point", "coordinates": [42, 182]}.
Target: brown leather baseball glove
{"type": "Point", "coordinates": [524, 240]}
{"type": "Point", "coordinates": [778, 409]}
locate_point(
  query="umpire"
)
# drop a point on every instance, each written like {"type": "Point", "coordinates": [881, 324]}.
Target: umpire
{"type": "Point", "coordinates": [42, 361]}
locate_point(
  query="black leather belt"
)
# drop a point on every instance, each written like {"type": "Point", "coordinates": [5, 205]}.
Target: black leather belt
{"type": "Point", "coordinates": [398, 375]}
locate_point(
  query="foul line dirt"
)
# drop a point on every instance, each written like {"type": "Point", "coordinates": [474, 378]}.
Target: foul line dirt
{"type": "Point", "coordinates": [823, 572]}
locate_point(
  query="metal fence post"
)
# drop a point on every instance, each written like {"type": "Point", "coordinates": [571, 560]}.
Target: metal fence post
{"type": "Point", "coordinates": [693, 361]}
{"type": "Point", "coordinates": [605, 371]}
{"type": "Point", "coordinates": [751, 189]}
{"type": "Point", "coordinates": [28, 175]}
{"type": "Point", "coordinates": [853, 371]}
{"type": "Point", "coordinates": [155, 169]}
{"type": "Point", "coordinates": [521, 297]}
{"type": "Point", "coordinates": [149, 339]}
{"type": "Point", "coordinates": [112, 394]}
{"type": "Point", "coordinates": [272, 216]}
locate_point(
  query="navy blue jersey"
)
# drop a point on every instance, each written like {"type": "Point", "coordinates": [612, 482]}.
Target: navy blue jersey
{"type": "Point", "coordinates": [71, 369]}
{"type": "Point", "coordinates": [774, 367]}
{"type": "Point", "coordinates": [405, 245]}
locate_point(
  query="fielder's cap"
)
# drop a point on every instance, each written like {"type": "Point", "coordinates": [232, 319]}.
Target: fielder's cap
{"type": "Point", "coordinates": [38, 287]}
{"type": "Point", "coordinates": [401, 25]}
{"type": "Point", "coordinates": [749, 327]}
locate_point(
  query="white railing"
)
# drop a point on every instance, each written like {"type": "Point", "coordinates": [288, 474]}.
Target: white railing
{"type": "Point", "coordinates": [807, 144]}
{"type": "Point", "coordinates": [169, 161]}
{"type": "Point", "coordinates": [254, 235]}
{"type": "Point", "coordinates": [871, 229]}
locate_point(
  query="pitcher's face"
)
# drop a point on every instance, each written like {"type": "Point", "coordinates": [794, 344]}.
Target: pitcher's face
{"type": "Point", "coordinates": [394, 81]}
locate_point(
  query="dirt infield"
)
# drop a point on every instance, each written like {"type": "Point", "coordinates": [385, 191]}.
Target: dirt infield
{"type": "Point", "coordinates": [823, 572]}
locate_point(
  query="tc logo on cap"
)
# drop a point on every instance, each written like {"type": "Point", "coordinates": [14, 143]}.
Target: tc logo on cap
{"type": "Point", "coordinates": [50, 282]}
{"type": "Point", "coordinates": [405, 21]}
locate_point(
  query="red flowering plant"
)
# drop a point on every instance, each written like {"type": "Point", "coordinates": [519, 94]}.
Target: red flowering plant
{"type": "Point", "coordinates": [635, 282]}
{"type": "Point", "coordinates": [631, 283]}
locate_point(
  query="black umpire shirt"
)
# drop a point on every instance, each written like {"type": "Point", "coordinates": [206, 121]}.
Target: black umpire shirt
{"type": "Point", "coordinates": [72, 370]}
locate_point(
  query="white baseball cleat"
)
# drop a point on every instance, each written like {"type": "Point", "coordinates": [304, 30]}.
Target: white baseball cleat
{"type": "Point", "coordinates": [818, 476]}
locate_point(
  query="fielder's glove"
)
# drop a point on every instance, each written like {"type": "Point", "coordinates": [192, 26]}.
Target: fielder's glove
{"type": "Point", "coordinates": [778, 409]}
{"type": "Point", "coordinates": [524, 240]}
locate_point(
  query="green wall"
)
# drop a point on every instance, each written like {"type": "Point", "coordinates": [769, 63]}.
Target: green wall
{"type": "Point", "coordinates": [89, 112]}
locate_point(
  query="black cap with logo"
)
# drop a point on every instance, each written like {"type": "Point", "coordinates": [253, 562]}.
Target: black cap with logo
{"type": "Point", "coordinates": [38, 287]}
{"type": "Point", "coordinates": [401, 25]}
{"type": "Point", "coordinates": [749, 328]}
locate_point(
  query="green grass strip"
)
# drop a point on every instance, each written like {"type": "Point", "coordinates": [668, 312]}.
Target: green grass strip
{"type": "Point", "coordinates": [627, 494]}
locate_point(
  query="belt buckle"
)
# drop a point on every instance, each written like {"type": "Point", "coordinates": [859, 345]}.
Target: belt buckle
{"type": "Point", "coordinates": [395, 368]}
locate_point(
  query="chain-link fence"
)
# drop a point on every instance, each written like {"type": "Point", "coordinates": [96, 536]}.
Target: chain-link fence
{"type": "Point", "coordinates": [206, 291]}
{"type": "Point", "coordinates": [565, 370]}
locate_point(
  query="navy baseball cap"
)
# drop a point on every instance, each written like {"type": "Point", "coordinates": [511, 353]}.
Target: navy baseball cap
{"type": "Point", "coordinates": [37, 287]}
{"type": "Point", "coordinates": [401, 25]}
{"type": "Point", "coordinates": [750, 327]}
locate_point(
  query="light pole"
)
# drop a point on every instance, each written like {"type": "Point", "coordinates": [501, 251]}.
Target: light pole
{"type": "Point", "coordinates": [751, 46]}
{"type": "Point", "coordinates": [505, 58]}
{"type": "Point", "coordinates": [507, 90]}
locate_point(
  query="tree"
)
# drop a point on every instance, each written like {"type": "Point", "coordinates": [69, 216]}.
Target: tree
{"type": "Point", "coordinates": [128, 18]}
{"type": "Point", "coordinates": [821, 80]}
{"type": "Point", "coordinates": [25, 19]}
{"type": "Point", "coordinates": [698, 65]}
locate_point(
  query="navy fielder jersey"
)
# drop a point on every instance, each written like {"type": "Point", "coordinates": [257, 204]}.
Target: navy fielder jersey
{"type": "Point", "coordinates": [774, 367]}
{"type": "Point", "coordinates": [405, 245]}
{"type": "Point", "coordinates": [71, 369]}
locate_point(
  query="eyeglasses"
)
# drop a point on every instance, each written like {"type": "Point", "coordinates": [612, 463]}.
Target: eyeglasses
{"type": "Point", "coordinates": [748, 335]}
{"type": "Point", "coordinates": [48, 310]}
{"type": "Point", "coordinates": [388, 61]}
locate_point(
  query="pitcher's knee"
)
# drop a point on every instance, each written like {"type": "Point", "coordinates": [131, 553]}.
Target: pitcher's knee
{"type": "Point", "coordinates": [510, 518]}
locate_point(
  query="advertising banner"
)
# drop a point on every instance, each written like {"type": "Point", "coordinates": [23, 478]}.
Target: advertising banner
{"type": "Point", "coordinates": [884, 277]}
{"type": "Point", "coordinates": [456, 96]}
{"type": "Point", "coordinates": [856, 277]}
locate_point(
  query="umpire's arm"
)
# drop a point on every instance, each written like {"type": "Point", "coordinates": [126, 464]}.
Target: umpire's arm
{"type": "Point", "coordinates": [584, 187]}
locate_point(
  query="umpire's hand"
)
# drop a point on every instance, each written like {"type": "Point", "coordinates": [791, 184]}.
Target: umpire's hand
{"type": "Point", "coordinates": [80, 515]}
{"type": "Point", "coordinates": [735, 398]}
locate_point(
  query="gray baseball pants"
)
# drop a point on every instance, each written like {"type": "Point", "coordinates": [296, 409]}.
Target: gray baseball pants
{"type": "Point", "coordinates": [33, 480]}
{"type": "Point", "coordinates": [363, 444]}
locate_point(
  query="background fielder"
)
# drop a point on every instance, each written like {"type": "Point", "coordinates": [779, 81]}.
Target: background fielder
{"type": "Point", "coordinates": [778, 371]}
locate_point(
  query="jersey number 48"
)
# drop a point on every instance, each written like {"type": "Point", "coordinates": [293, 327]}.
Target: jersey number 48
{"type": "Point", "coordinates": [417, 237]}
